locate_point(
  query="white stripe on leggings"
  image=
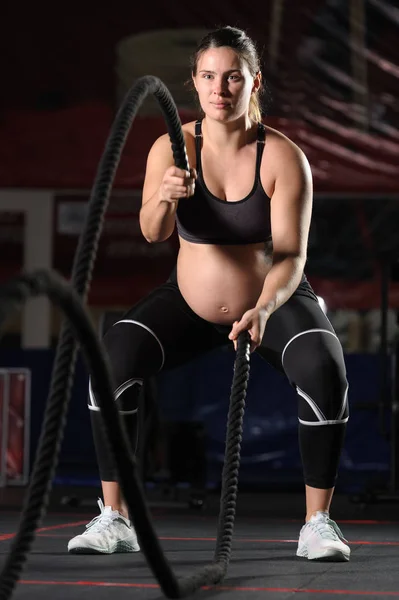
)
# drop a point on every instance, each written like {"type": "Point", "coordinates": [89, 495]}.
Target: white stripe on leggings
{"type": "Point", "coordinates": [344, 403]}
{"type": "Point", "coordinates": [119, 391]}
{"type": "Point", "coordinates": [316, 423]}
{"type": "Point", "coordinates": [303, 333]}
{"type": "Point", "coordinates": [320, 416]}
{"type": "Point", "coordinates": [150, 331]}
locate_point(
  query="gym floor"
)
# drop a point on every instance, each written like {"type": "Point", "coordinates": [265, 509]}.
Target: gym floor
{"type": "Point", "coordinates": [263, 562]}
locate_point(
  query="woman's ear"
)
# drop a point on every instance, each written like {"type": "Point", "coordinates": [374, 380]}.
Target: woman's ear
{"type": "Point", "coordinates": [257, 82]}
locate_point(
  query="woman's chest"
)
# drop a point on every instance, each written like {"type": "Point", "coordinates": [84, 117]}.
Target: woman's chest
{"type": "Point", "coordinates": [229, 178]}
{"type": "Point", "coordinates": [233, 178]}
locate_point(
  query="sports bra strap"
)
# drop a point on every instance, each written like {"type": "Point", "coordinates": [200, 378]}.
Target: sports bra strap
{"type": "Point", "coordinates": [198, 144]}
{"type": "Point", "coordinates": [261, 140]}
{"type": "Point", "coordinates": [198, 128]}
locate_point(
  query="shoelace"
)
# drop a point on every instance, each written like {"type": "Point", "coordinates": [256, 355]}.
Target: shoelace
{"type": "Point", "coordinates": [99, 522]}
{"type": "Point", "coordinates": [328, 529]}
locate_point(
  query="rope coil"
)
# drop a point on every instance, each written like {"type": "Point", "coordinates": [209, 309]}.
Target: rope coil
{"type": "Point", "coordinates": [71, 299]}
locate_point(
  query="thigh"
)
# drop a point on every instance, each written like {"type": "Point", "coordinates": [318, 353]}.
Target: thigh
{"type": "Point", "coordinates": [159, 332]}
{"type": "Point", "coordinates": [300, 315]}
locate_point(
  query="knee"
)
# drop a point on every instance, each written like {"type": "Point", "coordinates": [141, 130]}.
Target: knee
{"type": "Point", "coordinates": [315, 365]}
{"type": "Point", "coordinates": [134, 354]}
{"type": "Point", "coordinates": [128, 397]}
{"type": "Point", "coordinates": [133, 348]}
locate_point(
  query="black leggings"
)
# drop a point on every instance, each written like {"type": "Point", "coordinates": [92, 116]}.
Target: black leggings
{"type": "Point", "coordinates": [161, 332]}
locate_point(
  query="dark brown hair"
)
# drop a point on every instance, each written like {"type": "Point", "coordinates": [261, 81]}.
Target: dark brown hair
{"type": "Point", "coordinates": [243, 45]}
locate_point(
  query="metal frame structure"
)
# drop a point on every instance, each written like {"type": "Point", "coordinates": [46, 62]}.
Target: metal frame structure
{"type": "Point", "coordinates": [5, 375]}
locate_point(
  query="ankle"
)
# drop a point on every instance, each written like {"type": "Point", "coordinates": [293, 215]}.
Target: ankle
{"type": "Point", "coordinates": [120, 508]}
{"type": "Point", "coordinates": [113, 497]}
{"type": "Point", "coordinates": [314, 513]}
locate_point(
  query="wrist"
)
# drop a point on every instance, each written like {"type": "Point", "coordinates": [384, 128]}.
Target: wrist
{"type": "Point", "coordinates": [168, 201]}
{"type": "Point", "coordinates": [266, 306]}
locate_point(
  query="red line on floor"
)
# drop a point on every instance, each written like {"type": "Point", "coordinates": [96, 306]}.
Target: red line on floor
{"type": "Point", "coordinates": [246, 541]}
{"type": "Point", "coordinates": [306, 591]}
{"type": "Point", "coordinates": [367, 522]}
{"type": "Point", "coordinates": [8, 536]}
{"type": "Point", "coordinates": [193, 517]}
{"type": "Point", "coordinates": [164, 513]}
{"type": "Point", "coordinates": [221, 587]}
{"type": "Point", "coordinates": [365, 543]}
{"type": "Point", "coordinates": [261, 541]}
{"type": "Point", "coordinates": [62, 526]}
{"type": "Point", "coordinates": [90, 583]}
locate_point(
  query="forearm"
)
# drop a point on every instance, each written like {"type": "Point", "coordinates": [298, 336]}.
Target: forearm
{"type": "Point", "coordinates": [157, 219]}
{"type": "Point", "coordinates": [281, 282]}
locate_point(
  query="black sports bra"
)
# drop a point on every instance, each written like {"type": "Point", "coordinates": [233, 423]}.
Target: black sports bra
{"type": "Point", "coordinates": [205, 219]}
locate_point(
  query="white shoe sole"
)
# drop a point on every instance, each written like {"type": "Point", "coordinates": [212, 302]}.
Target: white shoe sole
{"type": "Point", "coordinates": [118, 548]}
{"type": "Point", "coordinates": [327, 555]}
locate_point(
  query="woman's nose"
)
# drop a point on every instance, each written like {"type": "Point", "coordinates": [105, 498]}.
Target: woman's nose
{"type": "Point", "coordinates": [219, 87]}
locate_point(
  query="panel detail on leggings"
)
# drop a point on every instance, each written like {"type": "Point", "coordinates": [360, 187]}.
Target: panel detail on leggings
{"type": "Point", "coordinates": [127, 405]}
{"type": "Point", "coordinates": [303, 333]}
{"type": "Point", "coordinates": [150, 331]}
{"type": "Point", "coordinates": [321, 418]}
{"type": "Point", "coordinates": [315, 367]}
{"type": "Point", "coordinates": [312, 404]}
{"type": "Point", "coordinates": [344, 408]}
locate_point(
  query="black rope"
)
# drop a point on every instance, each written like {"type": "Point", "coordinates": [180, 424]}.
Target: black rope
{"type": "Point", "coordinates": [14, 294]}
{"type": "Point", "coordinates": [231, 464]}
{"type": "Point", "coordinates": [43, 471]}
{"type": "Point", "coordinates": [51, 436]}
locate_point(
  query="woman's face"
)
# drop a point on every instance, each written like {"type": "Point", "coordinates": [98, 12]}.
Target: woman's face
{"type": "Point", "coordinates": [224, 84]}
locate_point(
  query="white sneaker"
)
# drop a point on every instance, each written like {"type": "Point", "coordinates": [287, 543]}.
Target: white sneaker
{"type": "Point", "coordinates": [321, 539]}
{"type": "Point", "coordinates": [108, 533]}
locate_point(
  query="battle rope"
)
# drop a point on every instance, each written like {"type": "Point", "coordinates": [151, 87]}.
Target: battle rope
{"type": "Point", "coordinates": [57, 404]}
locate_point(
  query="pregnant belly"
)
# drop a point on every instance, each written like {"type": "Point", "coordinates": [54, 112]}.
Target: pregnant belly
{"type": "Point", "coordinates": [221, 283]}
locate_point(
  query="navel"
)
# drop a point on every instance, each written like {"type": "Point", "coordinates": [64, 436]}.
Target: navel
{"type": "Point", "coordinates": [224, 309]}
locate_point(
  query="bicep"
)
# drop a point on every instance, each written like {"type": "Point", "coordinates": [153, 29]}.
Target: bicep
{"type": "Point", "coordinates": [291, 203]}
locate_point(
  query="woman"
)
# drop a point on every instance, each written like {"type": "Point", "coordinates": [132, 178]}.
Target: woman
{"type": "Point", "coordinates": [243, 214]}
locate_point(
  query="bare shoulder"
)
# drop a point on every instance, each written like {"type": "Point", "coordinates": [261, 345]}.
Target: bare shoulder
{"type": "Point", "coordinates": [283, 153]}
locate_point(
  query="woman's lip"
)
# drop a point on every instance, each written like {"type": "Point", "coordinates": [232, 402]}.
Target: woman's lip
{"type": "Point", "coordinates": [220, 104]}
